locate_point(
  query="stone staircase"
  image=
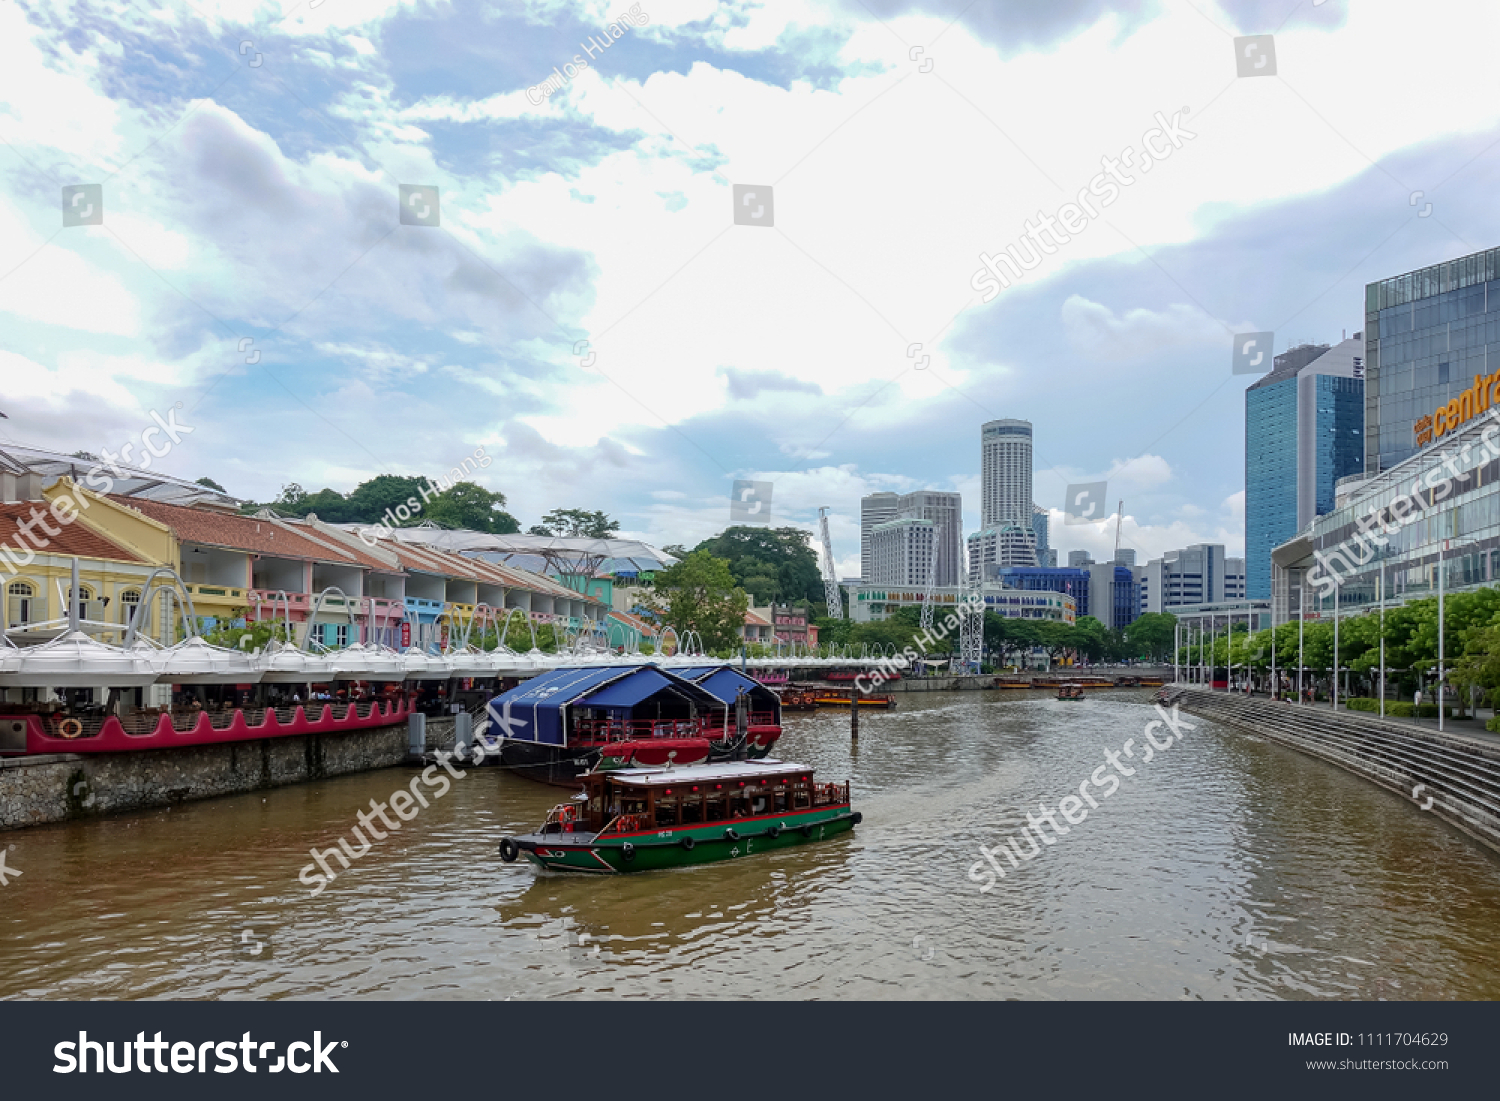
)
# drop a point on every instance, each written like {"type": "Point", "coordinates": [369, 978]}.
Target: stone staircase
{"type": "Point", "coordinates": [1452, 776]}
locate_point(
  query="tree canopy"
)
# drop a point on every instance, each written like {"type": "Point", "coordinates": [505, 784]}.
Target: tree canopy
{"type": "Point", "coordinates": [773, 564]}
{"type": "Point", "coordinates": [465, 504]}
{"type": "Point", "coordinates": [576, 523]}
{"type": "Point", "coordinates": [1472, 643]}
{"type": "Point", "coordinates": [699, 594]}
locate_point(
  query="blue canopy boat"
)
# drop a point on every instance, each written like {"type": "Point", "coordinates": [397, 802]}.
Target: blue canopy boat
{"type": "Point", "coordinates": [563, 724]}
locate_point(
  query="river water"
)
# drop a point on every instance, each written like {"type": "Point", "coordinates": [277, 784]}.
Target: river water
{"type": "Point", "coordinates": [1227, 867]}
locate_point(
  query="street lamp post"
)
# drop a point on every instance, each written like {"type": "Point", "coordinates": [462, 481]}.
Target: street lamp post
{"type": "Point", "coordinates": [1381, 589]}
{"type": "Point", "coordinates": [1442, 671]}
{"type": "Point", "coordinates": [1335, 647]}
{"type": "Point", "coordinates": [1301, 619]}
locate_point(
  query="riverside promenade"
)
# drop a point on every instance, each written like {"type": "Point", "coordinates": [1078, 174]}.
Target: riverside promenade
{"type": "Point", "coordinates": [1453, 775]}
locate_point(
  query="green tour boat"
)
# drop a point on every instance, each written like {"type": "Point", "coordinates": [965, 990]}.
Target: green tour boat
{"type": "Point", "coordinates": [642, 819]}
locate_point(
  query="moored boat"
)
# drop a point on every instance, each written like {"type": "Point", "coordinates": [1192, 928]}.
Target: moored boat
{"type": "Point", "coordinates": [560, 725]}
{"type": "Point", "coordinates": [645, 819]}
{"type": "Point", "coordinates": [835, 698]}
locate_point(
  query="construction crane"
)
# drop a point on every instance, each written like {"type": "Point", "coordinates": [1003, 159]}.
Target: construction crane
{"type": "Point", "coordinates": [931, 594]}
{"type": "Point", "coordinates": [830, 576]}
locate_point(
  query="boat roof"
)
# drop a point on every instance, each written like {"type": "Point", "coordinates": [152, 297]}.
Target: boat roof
{"type": "Point", "coordinates": [698, 774]}
{"type": "Point", "coordinates": [532, 710]}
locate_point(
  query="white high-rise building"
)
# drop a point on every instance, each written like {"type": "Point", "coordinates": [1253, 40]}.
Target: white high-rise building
{"type": "Point", "coordinates": [1199, 574]}
{"type": "Point", "coordinates": [901, 552]}
{"type": "Point", "coordinates": [1005, 474]}
{"type": "Point", "coordinates": [945, 510]}
{"type": "Point", "coordinates": [874, 510]}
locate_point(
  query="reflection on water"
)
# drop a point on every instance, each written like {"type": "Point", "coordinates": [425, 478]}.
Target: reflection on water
{"type": "Point", "coordinates": [1227, 868]}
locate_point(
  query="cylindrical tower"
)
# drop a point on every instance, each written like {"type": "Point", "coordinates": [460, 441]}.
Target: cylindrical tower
{"type": "Point", "coordinates": [1005, 473]}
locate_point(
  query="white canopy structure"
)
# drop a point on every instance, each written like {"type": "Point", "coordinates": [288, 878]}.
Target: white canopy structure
{"type": "Point", "coordinates": [124, 480]}
{"type": "Point", "coordinates": [543, 553]}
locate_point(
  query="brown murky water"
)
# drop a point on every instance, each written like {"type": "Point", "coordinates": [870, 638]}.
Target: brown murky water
{"type": "Point", "coordinates": [1228, 867]}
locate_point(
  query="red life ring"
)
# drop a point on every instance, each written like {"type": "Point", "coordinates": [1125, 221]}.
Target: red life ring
{"type": "Point", "coordinates": [70, 728]}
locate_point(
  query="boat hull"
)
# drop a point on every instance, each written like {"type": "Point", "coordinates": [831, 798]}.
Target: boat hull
{"type": "Point", "coordinates": [42, 734]}
{"type": "Point", "coordinates": [657, 850]}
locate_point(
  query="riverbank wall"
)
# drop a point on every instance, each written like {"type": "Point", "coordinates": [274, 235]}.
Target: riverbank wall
{"type": "Point", "coordinates": [62, 786]}
{"type": "Point", "coordinates": [1448, 775]}
{"type": "Point", "coordinates": [956, 683]}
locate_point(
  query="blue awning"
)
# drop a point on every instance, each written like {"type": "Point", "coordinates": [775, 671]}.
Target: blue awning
{"type": "Point", "coordinates": [724, 683]}
{"type": "Point", "coordinates": [628, 692]}
{"type": "Point", "coordinates": [697, 672]}
{"type": "Point", "coordinates": [532, 711]}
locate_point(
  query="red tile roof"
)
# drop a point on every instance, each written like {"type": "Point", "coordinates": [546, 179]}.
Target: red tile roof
{"type": "Point", "coordinates": [72, 539]}
{"type": "Point", "coordinates": [245, 533]}
{"type": "Point", "coordinates": [645, 626]}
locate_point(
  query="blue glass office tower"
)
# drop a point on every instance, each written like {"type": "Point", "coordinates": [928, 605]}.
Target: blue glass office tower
{"type": "Point", "coordinates": [1304, 430]}
{"type": "Point", "coordinates": [1427, 334]}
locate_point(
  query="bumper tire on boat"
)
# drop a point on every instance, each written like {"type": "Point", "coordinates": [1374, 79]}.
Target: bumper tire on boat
{"type": "Point", "coordinates": [731, 834]}
{"type": "Point", "coordinates": [773, 832]}
{"type": "Point", "coordinates": [509, 850]}
{"type": "Point", "coordinates": [627, 852]}
{"type": "Point", "coordinates": [688, 843]}
{"type": "Point", "coordinates": [856, 818]}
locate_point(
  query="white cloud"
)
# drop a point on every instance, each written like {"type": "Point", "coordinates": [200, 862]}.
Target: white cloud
{"type": "Point", "coordinates": [1099, 332]}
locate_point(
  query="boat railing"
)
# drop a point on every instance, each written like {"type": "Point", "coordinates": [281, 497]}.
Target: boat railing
{"type": "Point", "coordinates": [830, 794]}
{"type": "Point", "coordinates": [762, 718]}
{"type": "Point", "coordinates": [626, 730]}
{"type": "Point", "coordinates": [562, 818]}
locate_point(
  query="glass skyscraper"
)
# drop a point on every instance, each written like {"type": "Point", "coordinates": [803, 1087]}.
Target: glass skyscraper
{"type": "Point", "coordinates": [1303, 432]}
{"type": "Point", "coordinates": [1427, 334]}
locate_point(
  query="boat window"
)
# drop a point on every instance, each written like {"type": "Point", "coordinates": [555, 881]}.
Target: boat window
{"type": "Point", "coordinates": [692, 809]}
{"type": "Point", "coordinates": [779, 798]}
{"type": "Point", "coordinates": [713, 809]}
{"type": "Point", "coordinates": [666, 811]}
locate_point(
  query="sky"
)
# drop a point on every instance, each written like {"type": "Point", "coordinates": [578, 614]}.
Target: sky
{"type": "Point", "coordinates": [583, 303]}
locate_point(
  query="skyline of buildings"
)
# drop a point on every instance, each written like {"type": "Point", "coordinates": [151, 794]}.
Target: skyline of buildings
{"type": "Point", "coordinates": [1324, 427]}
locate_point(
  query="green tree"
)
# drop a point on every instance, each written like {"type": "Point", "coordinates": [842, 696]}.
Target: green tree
{"type": "Point", "coordinates": [1150, 635]}
{"type": "Point", "coordinates": [370, 500]}
{"type": "Point", "coordinates": [783, 553]}
{"type": "Point", "coordinates": [260, 632]}
{"type": "Point", "coordinates": [471, 506]}
{"type": "Point", "coordinates": [1091, 638]}
{"type": "Point", "coordinates": [576, 523]}
{"type": "Point", "coordinates": [699, 594]}
{"type": "Point", "coordinates": [209, 483]}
